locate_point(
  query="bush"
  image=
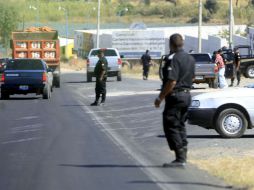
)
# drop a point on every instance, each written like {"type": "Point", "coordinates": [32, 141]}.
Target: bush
{"type": "Point", "coordinates": [212, 6]}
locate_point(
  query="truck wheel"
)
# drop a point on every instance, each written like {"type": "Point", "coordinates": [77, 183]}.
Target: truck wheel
{"type": "Point", "coordinates": [46, 92]}
{"type": "Point", "coordinates": [56, 81]}
{"type": "Point", "coordinates": [89, 77]}
{"type": "Point", "coordinates": [119, 76]}
{"type": "Point", "coordinates": [5, 95]}
{"type": "Point", "coordinates": [213, 83]}
{"type": "Point", "coordinates": [250, 71]}
{"type": "Point", "coordinates": [231, 123]}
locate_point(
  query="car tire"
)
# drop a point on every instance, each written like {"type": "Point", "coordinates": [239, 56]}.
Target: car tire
{"type": "Point", "coordinates": [5, 95]}
{"type": "Point", "coordinates": [46, 92]}
{"type": "Point", "coordinates": [89, 77]}
{"type": "Point", "coordinates": [119, 76]}
{"type": "Point", "coordinates": [250, 71]}
{"type": "Point", "coordinates": [231, 123]}
{"type": "Point", "coordinates": [214, 83]}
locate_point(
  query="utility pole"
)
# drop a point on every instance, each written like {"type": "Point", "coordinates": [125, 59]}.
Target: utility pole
{"type": "Point", "coordinates": [98, 24]}
{"type": "Point", "coordinates": [231, 24]}
{"type": "Point", "coordinates": [200, 27]}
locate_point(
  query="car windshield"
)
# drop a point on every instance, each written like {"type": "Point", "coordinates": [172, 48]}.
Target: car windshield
{"type": "Point", "coordinates": [201, 58]}
{"type": "Point", "coordinates": [29, 64]}
{"type": "Point", "coordinates": [107, 53]}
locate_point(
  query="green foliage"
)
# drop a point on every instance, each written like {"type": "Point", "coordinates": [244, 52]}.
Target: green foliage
{"type": "Point", "coordinates": [147, 2]}
{"type": "Point", "coordinates": [9, 20]}
{"type": "Point", "coordinates": [212, 6]}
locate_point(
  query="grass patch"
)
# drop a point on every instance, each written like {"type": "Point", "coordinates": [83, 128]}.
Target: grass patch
{"type": "Point", "coordinates": [233, 170]}
{"type": "Point", "coordinates": [137, 71]}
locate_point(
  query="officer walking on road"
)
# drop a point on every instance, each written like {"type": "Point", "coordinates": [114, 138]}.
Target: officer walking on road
{"type": "Point", "coordinates": [237, 71]}
{"type": "Point", "coordinates": [100, 72]}
{"type": "Point", "coordinates": [179, 72]}
{"type": "Point", "coordinates": [146, 59]}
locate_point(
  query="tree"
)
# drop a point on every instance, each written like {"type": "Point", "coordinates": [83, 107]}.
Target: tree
{"type": "Point", "coordinates": [9, 20]}
{"type": "Point", "coordinates": [212, 6]}
{"type": "Point", "coordinates": [147, 2]}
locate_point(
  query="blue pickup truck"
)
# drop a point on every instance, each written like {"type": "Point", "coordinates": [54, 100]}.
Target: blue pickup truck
{"type": "Point", "coordinates": [23, 76]}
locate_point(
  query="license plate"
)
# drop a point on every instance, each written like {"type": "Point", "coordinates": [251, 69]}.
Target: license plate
{"type": "Point", "coordinates": [199, 77]}
{"type": "Point", "coordinates": [23, 87]}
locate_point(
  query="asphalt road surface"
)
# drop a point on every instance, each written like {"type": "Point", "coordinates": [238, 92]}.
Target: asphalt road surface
{"type": "Point", "coordinates": [64, 143]}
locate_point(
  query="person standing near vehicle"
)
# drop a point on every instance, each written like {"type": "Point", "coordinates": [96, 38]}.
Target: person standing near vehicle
{"type": "Point", "coordinates": [237, 72]}
{"type": "Point", "coordinates": [146, 60]}
{"type": "Point", "coordinates": [100, 72]}
{"type": "Point", "coordinates": [179, 74]}
{"type": "Point", "coordinates": [221, 65]}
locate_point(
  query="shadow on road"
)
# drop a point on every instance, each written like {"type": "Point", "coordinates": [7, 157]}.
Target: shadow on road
{"type": "Point", "coordinates": [77, 82]}
{"type": "Point", "coordinates": [183, 183]}
{"type": "Point", "coordinates": [109, 166]}
{"type": "Point", "coordinates": [24, 98]}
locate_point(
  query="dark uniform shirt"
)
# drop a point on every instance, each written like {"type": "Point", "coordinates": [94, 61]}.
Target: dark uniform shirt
{"type": "Point", "coordinates": [181, 69]}
{"type": "Point", "coordinates": [146, 58]}
{"type": "Point", "coordinates": [237, 58]}
{"type": "Point", "coordinates": [102, 65]}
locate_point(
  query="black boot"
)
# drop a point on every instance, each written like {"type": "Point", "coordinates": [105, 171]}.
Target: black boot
{"type": "Point", "coordinates": [180, 160]}
{"type": "Point", "coordinates": [94, 104]}
{"type": "Point", "coordinates": [103, 99]}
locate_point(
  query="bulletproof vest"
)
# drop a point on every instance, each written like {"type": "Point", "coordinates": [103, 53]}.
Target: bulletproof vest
{"type": "Point", "coordinates": [165, 66]}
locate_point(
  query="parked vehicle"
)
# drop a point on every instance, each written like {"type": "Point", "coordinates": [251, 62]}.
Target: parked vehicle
{"type": "Point", "coordinates": [114, 63]}
{"type": "Point", "coordinates": [38, 43]}
{"type": "Point", "coordinates": [230, 112]}
{"type": "Point", "coordinates": [23, 76]}
{"type": "Point", "coordinates": [247, 59]}
{"type": "Point", "coordinates": [206, 70]}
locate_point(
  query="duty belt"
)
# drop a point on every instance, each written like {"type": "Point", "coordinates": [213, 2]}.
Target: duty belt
{"type": "Point", "coordinates": [181, 90]}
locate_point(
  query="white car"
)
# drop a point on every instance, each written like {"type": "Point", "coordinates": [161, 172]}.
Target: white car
{"type": "Point", "coordinates": [114, 63]}
{"type": "Point", "coordinates": [229, 111]}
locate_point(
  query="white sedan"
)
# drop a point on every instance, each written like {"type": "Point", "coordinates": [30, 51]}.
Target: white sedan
{"type": "Point", "coordinates": [229, 111]}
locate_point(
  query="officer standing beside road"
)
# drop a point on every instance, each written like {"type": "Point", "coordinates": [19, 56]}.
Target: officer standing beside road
{"type": "Point", "coordinates": [178, 74]}
{"type": "Point", "coordinates": [100, 72]}
{"type": "Point", "coordinates": [237, 71]}
{"type": "Point", "coordinates": [146, 60]}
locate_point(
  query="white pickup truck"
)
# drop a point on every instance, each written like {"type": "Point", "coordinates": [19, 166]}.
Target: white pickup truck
{"type": "Point", "coordinates": [114, 63]}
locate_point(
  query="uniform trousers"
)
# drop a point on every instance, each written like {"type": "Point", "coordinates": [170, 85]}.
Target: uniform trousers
{"type": "Point", "coordinates": [100, 89]}
{"type": "Point", "coordinates": [174, 117]}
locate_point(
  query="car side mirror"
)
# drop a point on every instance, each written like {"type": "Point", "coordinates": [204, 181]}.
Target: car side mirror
{"type": "Point", "coordinates": [121, 56]}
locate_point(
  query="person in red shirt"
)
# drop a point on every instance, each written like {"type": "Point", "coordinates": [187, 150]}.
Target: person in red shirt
{"type": "Point", "coordinates": [221, 65]}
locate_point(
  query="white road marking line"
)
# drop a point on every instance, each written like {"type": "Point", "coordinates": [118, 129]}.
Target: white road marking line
{"type": "Point", "coordinates": [25, 131]}
{"type": "Point", "coordinates": [153, 173]}
{"type": "Point", "coordinates": [28, 118]}
{"type": "Point", "coordinates": [21, 140]}
{"type": "Point", "coordinates": [27, 127]}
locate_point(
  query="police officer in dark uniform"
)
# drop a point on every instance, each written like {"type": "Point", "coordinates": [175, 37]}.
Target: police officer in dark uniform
{"type": "Point", "coordinates": [100, 72]}
{"type": "Point", "coordinates": [146, 59]}
{"type": "Point", "coordinates": [179, 72]}
{"type": "Point", "coordinates": [237, 71]}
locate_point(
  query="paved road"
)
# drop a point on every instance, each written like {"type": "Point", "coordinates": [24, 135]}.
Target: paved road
{"type": "Point", "coordinates": [64, 143]}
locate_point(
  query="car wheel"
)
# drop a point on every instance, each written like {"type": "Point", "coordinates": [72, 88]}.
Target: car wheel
{"type": "Point", "coordinates": [46, 92]}
{"type": "Point", "coordinates": [250, 71]}
{"type": "Point", "coordinates": [231, 123]}
{"type": "Point", "coordinates": [5, 95]}
{"type": "Point", "coordinates": [89, 77]}
{"type": "Point", "coordinates": [119, 76]}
